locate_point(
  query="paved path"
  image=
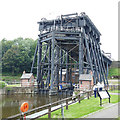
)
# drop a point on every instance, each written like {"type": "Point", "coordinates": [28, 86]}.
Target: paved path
{"type": "Point", "coordinates": [110, 111]}
{"type": "Point", "coordinates": [115, 93]}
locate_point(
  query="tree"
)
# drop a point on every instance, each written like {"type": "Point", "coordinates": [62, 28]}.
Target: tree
{"type": "Point", "coordinates": [6, 45]}
{"type": "Point", "coordinates": [18, 54]}
{"type": "Point", "coordinates": [10, 60]}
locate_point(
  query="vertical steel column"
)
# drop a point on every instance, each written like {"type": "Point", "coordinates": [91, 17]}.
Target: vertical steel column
{"type": "Point", "coordinates": [49, 66]}
{"type": "Point", "coordinates": [52, 61]}
{"type": "Point", "coordinates": [80, 60]}
{"type": "Point", "coordinates": [96, 67]}
{"type": "Point", "coordinates": [67, 68]}
{"type": "Point", "coordinates": [107, 75]}
{"type": "Point", "coordinates": [88, 52]}
{"type": "Point", "coordinates": [57, 66]}
{"type": "Point", "coordinates": [61, 53]}
{"type": "Point", "coordinates": [98, 63]}
{"type": "Point", "coordinates": [39, 62]}
{"type": "Point", "coordinates": [105, 72]}
{"type": "Point", "coordinates": [71, 70]}
{"type": "Point", "coordinates": [102, 72]}
{"type": "Point", "coordinates": [34, 57]}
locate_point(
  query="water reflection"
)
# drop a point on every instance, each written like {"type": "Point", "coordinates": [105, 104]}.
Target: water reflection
{"type": "Point", "coordinates": [10, 104]}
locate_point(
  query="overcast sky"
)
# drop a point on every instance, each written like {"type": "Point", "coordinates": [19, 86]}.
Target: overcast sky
{"type": "Point", "coordinates": [18, 18]}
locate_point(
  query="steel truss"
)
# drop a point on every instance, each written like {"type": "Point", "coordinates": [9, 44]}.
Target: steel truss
{"type": "Point", "coordinates": [69, 43]}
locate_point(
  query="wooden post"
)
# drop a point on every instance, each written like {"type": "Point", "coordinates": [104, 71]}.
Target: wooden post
{"type": "Point", "coordinates": [79, 98]}
{"type": "Point", "coordinates": [109, 99]}
{"type": "Point", "coordinates": [88, 94]}
{"type": "Point", "coordinates": [21, 117]}
{"type": "Point", "coordinates": [67, 104]}
{"type": "Point", "coordinates": [49, 111]}
{"type": "Point", "coordinates": [100, 102]}
{"type": "Point", "coordinates": [114, 87]}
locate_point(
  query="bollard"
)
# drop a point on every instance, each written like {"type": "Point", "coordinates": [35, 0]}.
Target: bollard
{"type": "Point", "coordinates": [49, 111]}
{"type": "Point", "coordinates": [67, 104]}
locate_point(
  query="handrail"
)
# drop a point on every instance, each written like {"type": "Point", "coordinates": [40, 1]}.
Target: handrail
{"type": "Point", "coordinates": [52, 104]}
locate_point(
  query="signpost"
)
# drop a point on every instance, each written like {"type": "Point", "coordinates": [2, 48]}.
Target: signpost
{"type": "Point", "coordinates": [103, 95]}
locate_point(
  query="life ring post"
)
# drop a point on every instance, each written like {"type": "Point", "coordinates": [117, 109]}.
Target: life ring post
{"type": "Point", "coordinates": [24, 108]}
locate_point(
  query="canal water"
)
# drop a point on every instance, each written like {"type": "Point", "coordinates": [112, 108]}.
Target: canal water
{"type": "Point", "coordinates": [10, 104]}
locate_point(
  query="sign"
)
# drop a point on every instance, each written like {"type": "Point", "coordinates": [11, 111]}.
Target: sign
{"type": "Point", "coordinates": [103, 95]}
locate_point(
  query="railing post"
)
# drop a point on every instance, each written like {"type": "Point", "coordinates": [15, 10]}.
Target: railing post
{"type": "Point", "coordinates": [21, 117]}
{"type": "Point", "coordinates": [66, 104]}
{"type": "Point", "coordinates": [49, 111]}
{"type": "Point", "coordinates": [88, 95]}
{"type": "Point", "coordinates": [79, 98]}
{"type": "Point", "coordinates": [62, 110]}
{"type": "Point", "coordinates": [114, 87]}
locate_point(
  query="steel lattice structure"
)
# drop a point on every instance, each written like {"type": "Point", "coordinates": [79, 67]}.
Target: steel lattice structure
{"type": "Point", "coordinates": [70, 43]}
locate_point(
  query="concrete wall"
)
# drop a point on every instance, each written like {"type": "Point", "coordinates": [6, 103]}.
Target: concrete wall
{"type": "Point", "coordinates": [17, 90]}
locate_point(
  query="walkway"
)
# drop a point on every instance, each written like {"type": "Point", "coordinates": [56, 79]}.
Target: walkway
{"type": "Point", "coordinates": [110, 111]}
{"type": "Point", "coordinates": [115, 93]}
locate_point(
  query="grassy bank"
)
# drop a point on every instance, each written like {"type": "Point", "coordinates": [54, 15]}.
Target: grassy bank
{"type": "Point", "coordinates": [115, 91]}
{"type": "Point", "coordinates": [114, 72]}
{"type": "Point", "coordinates": [9, 77]}
{"type": "Point", "coordinates": [85, 107]}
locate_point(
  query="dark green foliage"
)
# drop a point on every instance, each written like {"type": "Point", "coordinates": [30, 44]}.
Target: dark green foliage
{"type": "Point", "coordinates": [2, 84]}
{"type": "Point", "coordinates": [114, 72]}
{"type": "Point", "coordinates": [17, 55]}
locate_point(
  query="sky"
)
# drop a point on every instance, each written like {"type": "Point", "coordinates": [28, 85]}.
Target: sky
{"type": "Point", "coordinates": [18, 18]}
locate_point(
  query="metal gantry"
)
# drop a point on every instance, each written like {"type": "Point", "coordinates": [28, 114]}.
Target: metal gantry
{"type": "Point", "coordinates": [67, 46]}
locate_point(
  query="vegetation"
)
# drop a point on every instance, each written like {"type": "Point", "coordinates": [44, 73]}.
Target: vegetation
{"type": "Point", "coordinates": [2, 84]}
{"type": "Point", "coordinates": [10, 87]}
{"type": "Point", "coordinates": [115, 91]}
{"type": "Point", "coordinates": [17, 55]}
{"type": "Point", "coordinates": [11, 78]}
{"type": "Point", "coordinates": [85, 107]}
{"type": "Point", "coordinates": [114, 72]}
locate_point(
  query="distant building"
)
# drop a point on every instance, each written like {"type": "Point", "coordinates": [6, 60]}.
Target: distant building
{"type": "Point", "coordinates": [85, 81]}
{"type": "Point", "coordinates": [27, 79]}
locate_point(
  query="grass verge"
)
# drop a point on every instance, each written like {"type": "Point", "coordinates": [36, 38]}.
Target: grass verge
{"type": "Point", "coordinates": [115, 91]}
{"type": "Point", "coordinates": [114, 72]}
{"type": "Point", "coordinates": [84, 108]}
{"type": "Point", "coordinates": [11, 78]}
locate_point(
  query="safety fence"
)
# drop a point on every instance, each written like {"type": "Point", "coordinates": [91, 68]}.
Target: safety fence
{"type": "Point", "coordinates": [49, 108]}
{"type": "Point", "coordinates": [114, 87]}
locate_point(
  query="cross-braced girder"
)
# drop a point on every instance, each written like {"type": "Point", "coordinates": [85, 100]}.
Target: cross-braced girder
{"type": "Point", "coordinates": [69, 46]}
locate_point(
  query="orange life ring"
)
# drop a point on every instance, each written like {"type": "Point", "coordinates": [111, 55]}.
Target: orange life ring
{"type": "Point", "coordinates": [24, 107]}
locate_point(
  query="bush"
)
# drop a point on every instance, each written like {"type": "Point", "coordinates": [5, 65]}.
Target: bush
{"type": "Point", "coordinates": [2, 84]}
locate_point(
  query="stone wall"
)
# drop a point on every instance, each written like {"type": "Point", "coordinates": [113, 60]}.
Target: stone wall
{"type": "Point", "coordinates": [17, 90]}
